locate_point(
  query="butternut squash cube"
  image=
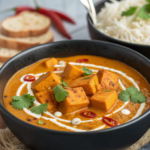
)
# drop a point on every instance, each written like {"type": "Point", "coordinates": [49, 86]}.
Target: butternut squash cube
{"type": "Point", "coordinates": [45, 81]}
{"type": "Point", "coordinates": [51, 62]}
{"type": "Point", "coordinates": [88, 83]}
{"type": "Point", "coordinates": [108, 80]}
{"type": "Point", "coordinates": [76, 100]}
{"type": "Point", "coordinates": [71, 72]}
{"type": "Point", "coordinates": [98, 87]}
{"type": "Point", "coordinates": [47, 97]}
{"type": "Point", "coordinates": [104, 100]}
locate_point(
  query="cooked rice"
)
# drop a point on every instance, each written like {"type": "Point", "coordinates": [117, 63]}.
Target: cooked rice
{"type": "Point", "coordinates": [111, 23]}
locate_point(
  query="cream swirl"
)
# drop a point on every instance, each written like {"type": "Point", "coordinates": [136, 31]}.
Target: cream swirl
{"type": "Point", "coordinates": [55, 119]}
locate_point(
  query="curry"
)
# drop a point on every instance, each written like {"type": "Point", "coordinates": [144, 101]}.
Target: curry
{"type": "Point", "coordinates": [80, 93]}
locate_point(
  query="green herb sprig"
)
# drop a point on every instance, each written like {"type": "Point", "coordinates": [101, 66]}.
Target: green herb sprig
{"type": "Point", "coordinates": [107, 91]}
{"type": "Point", "coordinates": [40, 122]}
{"type": "Point", "coordinates": [26, 101]}
{"type": "Point", "coordinates": [143, 12]}
{"type": "Point", "coordinates": [64, 83]}
{"type": "Point", "coordinates": [60, 93]}
{"type": "Point", "coordinates": [86, 78]}
{"type": "Point", "coordinates": [23, 101]}
{"type": "Point", "coordinates": [87, 71]}
{"type": "Point", "coordinates": [39, 109]}
{"type": "Point", "coordinates": [133, 94]}
{"type": "Point", "coordinates": [129, 12]}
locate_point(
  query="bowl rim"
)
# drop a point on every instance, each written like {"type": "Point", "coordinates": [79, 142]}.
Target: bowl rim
{"type": "Point", "coordinates": [19, 121]}
{"type": "Point", "coordinates": [109, 37]}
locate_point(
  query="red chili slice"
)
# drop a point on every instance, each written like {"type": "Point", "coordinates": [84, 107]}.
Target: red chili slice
{"type": "Point", "coordinates": [85, 60]}
{"type": "Point", "coordinates": [79, 60]}
{"type": "Point", "coordinates": [110, 122]}
{"type": "Point", "coordinates": [82, 60]}
{"type": "Point", "coordinates": [29, 78]}
{"type": "Point", "coordinates": [88, 114]}
{"type": "Point", "coordinates": [55, 69]}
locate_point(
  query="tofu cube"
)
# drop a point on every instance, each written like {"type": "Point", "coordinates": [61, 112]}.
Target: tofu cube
{"type": "Point", "coordinates": [76, 100]}
{"type": "Point", "coordinates": [45, 81]}
{"type": "Point", "coordinates": [104, 100]}
{"type": "Point", "coordinates": [108, 80]}
{"type": "Point", "coordinates": [51, 62]}
{"type": "Point", "coordinates": [88, 83]}
{"type": "Point", "coordinates": [47, 97]}
{"type": "Point", "coordinates": [71, 72]}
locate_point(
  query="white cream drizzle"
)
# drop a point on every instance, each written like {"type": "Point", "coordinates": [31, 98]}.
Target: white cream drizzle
{"type": "Point", "coordinates": [76, 121]}
{"type": "Point", "coordinates": [139, 111]}
{"type": "Point", "coordinates": [58, 71]}
{"type": "Point", "coordinates": [125, 111]}
{"type": "Point", "coordinates": [54, 118]}
{"type": "Point", "coordinates": [58, 114]}
{"type": "Point", "coordinates": [62, 125]}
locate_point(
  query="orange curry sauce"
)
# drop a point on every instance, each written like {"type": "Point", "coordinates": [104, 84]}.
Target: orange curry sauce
{"type": "Point", "coordinates": [39, 67]}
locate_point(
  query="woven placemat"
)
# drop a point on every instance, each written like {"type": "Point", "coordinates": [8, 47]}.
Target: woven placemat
{"type": "Point", "coordinates": [9, 142]}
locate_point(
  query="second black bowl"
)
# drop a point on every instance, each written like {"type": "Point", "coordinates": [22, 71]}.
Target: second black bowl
{"type": "Point", "coordinates": [97, 35]}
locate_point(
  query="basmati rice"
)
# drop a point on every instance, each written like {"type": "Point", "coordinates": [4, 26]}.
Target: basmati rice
{"type": "Point", "coordinates": [111, 23]}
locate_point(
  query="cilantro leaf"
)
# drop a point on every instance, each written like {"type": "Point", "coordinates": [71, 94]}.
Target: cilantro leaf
{"type": "Point", "coordinates": [60, 93]}
{"type": "Point", "coordinates": [87, 71]}
{"type": "Point", "coordinates": [148, 1]}
{"type": "Point", "coordinates": [64, 83]}
{"type": "Point", "coordinates": [107, 91]}
{"type": "Point", "coordinates": [138, 97]}
{"type": "Point", "coordinates": [23, 101]}
{"type": "Point", "coordinates": [132, 90]}
{"type": "Point", "coordinates": [40, 122]}
{"type": "Point", "coordinates": [129, 12]}
{"type": "Point", "coordinates": [133, 94]}
{"type": "Point", "coordinates": [86, 78]}
{"type": "Point", "coordinates": [144, 12]}
{"type": "Point", "coordinates": [39, 109]}
{"type": "Point", "coordinates": [124, 96]}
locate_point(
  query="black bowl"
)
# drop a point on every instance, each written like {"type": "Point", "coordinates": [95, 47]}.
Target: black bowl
{"type": "Point", "coordinates": [97, 35]}
{"type": "Point", "coordinates": [37, 138]}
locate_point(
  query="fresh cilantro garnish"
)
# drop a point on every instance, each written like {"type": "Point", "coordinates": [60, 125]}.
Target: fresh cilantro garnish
{"type": "Point", "coordinates": [107, 91]}
{"type": "Point", "coordinates": [124, 96]}
{"type": "Point", "coordinates": [86, 78]}
{"type": "Point", "coordinates": [23, 101]}
{"type": "Point", "coordinates": [87, 71]}
{"type": "Point", "coordinates": [138, 97]}
{"type": "Point", "coordinates": [60, 93]}
{"type": "Point", "coordinates": [132, 90]}
{"type": "Point", "coordinates": [40, 122]}
{"type": "Point", "coordinates": [133, 94]}
{"type": "Point", "coordinates": [64, 83]}
{"type": "Point", "coordinates": [39, 109]}
{"type": "Point", "coordinates": [144, 12]}
{"type": "Point", "coordinates": [129, 12]}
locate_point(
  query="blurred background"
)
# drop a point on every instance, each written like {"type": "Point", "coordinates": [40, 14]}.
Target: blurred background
{"type": "Point", "coordinates": [73, 8]}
